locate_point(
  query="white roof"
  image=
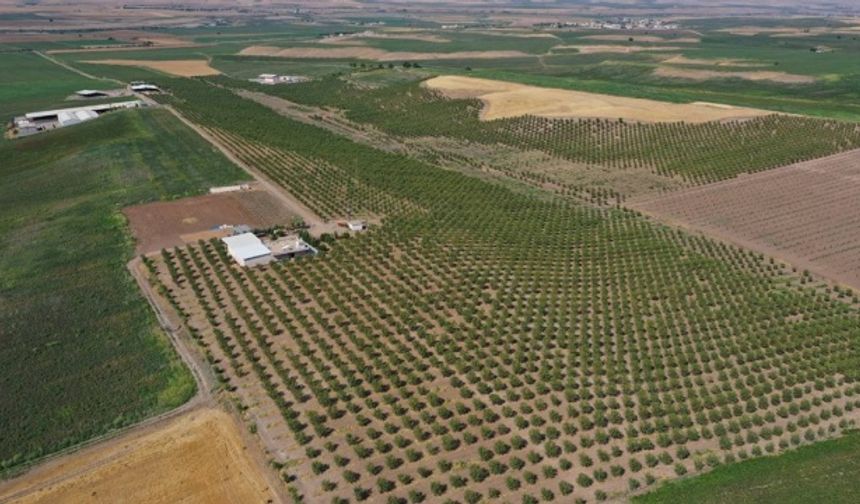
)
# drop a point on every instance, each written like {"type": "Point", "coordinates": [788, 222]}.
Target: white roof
{"type": "Point", "coordinates": [94, 108]}
{"type": "Point", "coordinates": [85, 92]}
{"type": "Point", "coordinates": [246, 246]}
{"type": "Point", "coordinates": [268, 76]}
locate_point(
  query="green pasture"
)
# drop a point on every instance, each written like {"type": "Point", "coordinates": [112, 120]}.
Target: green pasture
{"type": "Point", "coordinates": [82, 352]}
{"type": "Point", "coordinates": [37, 83]}
{"type": "Point", "coordinates": [823, 472]}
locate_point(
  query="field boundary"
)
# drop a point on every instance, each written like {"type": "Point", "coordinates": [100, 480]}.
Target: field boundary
{"type": "Point", "coordinates": [292, 203]}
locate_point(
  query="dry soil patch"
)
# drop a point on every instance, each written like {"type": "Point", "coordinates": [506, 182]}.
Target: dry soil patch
{"type": "Point", "coordinates": [619, 49]}
{"type": "Point", "coordinates": [181, 68]}
{"type": "Point", "coordinates": [372, 53]}
{"type": "Point", "coordinates": [167, 224]}
{"type": "Point", "coordinates": [759, 75]}
{"type": "Point", "coordinates": [807, 213]}
{"type": "Point", "coordinates": [506, 99]}
{"type": "Point", "coordinates": [198, 458]}
{"type": "Point", "coordinates": [719, 62]}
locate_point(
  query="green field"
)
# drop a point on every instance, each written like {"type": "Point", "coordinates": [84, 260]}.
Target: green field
{"type": "Point", "coordinates": [37, 83]}
{"type": "Point", "coordinates": [824, 472]}
{"type": "Point", "coordinates": [82, 352]}
{"type": "Point", "coordinates": [834, 94]}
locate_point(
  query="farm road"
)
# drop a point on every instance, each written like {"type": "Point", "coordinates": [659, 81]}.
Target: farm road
{"type": "Point", "coordinates": [317, 224]}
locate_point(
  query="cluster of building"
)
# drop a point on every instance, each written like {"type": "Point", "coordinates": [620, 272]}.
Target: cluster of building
{"type": "Point", "coordinates": [272, 79]}
{"type": "Point", "coordinates": [248, 249]}
{"type": "Point", "coordinates": [44, 120]}
{"type": "Point", "coordinates": [615, 24]}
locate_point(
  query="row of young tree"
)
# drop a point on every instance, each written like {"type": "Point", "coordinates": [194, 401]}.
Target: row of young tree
{"type": "Point", "coordinates": [484, 344]}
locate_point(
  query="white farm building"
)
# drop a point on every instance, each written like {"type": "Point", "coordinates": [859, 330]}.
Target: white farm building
{"type": "Point", "coordinates": [248, 250]}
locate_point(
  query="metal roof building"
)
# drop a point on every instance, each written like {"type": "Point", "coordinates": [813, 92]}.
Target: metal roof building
{"type": "Point", "coordinates": [247, 249]}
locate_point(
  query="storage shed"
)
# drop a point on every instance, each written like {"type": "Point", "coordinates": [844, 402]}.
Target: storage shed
{"type": "Point", "coordinates": [248, 250]}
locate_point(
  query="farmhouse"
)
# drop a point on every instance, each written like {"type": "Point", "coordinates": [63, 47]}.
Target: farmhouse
{"type": "Point", "coordinates": [248, 250]}
{"type": "Point", "coordinates": [272, 79]}
{"type": "Point", "coordinates": [290, 247]}
{"type": "Point", "coordinates": [35, 122]}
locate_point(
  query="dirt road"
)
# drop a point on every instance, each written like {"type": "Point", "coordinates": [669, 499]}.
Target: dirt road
{"type": "Point", "coordinates": [294, 205]}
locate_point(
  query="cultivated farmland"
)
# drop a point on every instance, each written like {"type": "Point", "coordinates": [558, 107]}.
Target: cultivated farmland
{"type": "Point", "coordinates": [484, 342]}
{"type": "Point", "coordinates": [807, 213]}
{"type": "Point", "coordinates": [95, 358]}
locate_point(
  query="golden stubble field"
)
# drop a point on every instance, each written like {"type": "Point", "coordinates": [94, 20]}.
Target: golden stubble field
{"type": "Point", "coordinates": [180, 68]}
{"type": "Point", "coordinates": [506, 99]}
{"type": "Point", "coordinates": [197, 458]}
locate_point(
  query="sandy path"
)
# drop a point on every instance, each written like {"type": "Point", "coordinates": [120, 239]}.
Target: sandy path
{"type": "Point", "coordinates": [506, 99]}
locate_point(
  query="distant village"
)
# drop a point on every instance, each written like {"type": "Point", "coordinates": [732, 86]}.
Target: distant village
{"type": "Point", "coordinates": [615, 24]}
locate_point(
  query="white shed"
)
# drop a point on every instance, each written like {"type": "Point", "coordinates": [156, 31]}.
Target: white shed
{"type": "Point", "coordinates": [248, 250]}
{"type": "Point", "coordinates": [357, 225]}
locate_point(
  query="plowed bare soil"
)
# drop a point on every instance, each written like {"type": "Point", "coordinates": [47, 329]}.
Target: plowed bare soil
{"type": "Point", "coordinates": [807, 214]}
{"type": "Point", "coordinates": [506, 99]}
{"type": "Point", "coordinates": [166, 224]}
{"type": "Point", "coordinates": [199, 458]}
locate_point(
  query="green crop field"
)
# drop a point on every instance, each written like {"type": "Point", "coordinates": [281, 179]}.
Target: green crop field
{"type": "Point", "coordinates": [82, 352]}
{"type": "Point", "coordinates": [36, 83]}
{"type": "Point", "coordinates": [824, 472]}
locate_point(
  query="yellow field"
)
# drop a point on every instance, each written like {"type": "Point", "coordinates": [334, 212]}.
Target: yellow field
{"type": "Point", "coordinates": [702, 75]}
{"type": "Point", "coordinates": [181, 68]}
{"type": "Point", "coordinates": [506, 99]}
{"type": "Point", "coordinates": [197, 458]}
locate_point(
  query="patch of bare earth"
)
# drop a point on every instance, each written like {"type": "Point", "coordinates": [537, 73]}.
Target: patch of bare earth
{"type": "Point", "coordinates": [180, 68]}
{"type": "Point", "coordinates": [167, 224]}
{"type": "Point", "coordinates": [718, 62]}
{"type": "Point", "coordinates": [807, 214]}
{"type": "Point", "coordinates": [617, 49]}
{"type": "Point", "coordinates": [198, 458]}
{"type": "Point", "coordinates": [372, 53]}
{"type": "Point", "coordinates": [506, 99]}
{"type": "Point", "coordinates": [758, 75]}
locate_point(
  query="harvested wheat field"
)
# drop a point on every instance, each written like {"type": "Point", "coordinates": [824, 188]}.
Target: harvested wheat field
{"type": "Point", "coordinates": [198, 458]}
{"type": "Point", "coordinates": [507, 99]}
{"type": "Point", "coordinates": [807, 213]}
{"type": "Point", "coordinates": [703, 75]}
{"type": "Point", "coordinates": [180, 68]}
{"type": "Point", "coordinates": [371, 53]}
